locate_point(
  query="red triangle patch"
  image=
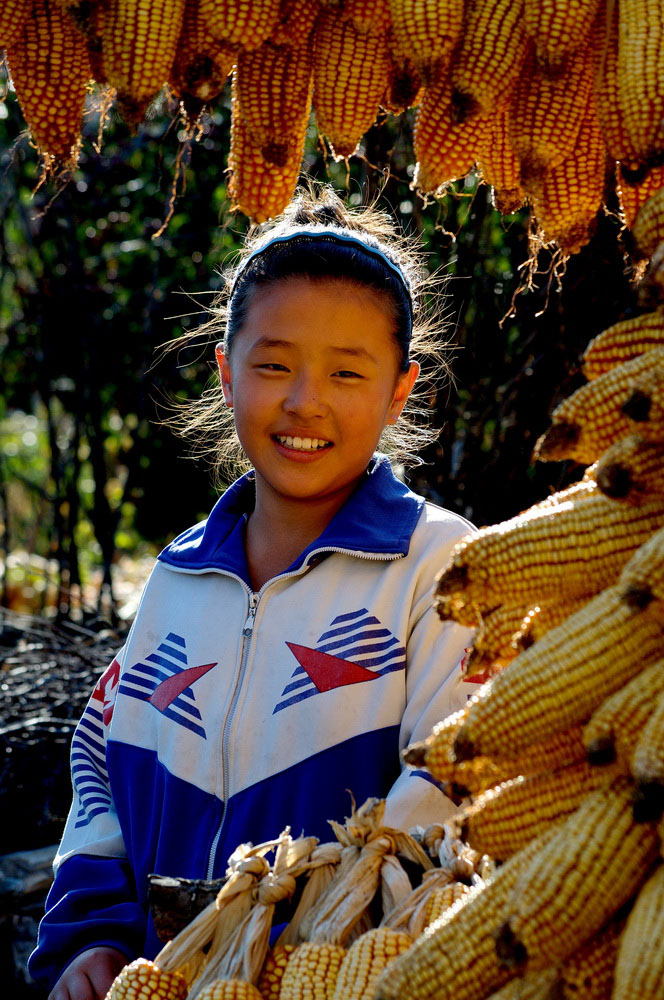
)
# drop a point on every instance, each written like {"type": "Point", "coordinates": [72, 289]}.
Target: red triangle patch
{"type": "Point", "coordinates": [329, 672]}
{"type": "Point", "coordinates": [166, 692]}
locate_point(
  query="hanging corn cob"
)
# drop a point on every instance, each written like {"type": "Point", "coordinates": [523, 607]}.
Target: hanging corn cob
{"type": "Point", "coordinates": [201, 64]}
{"type": "Point", "coordinates": [246, 23]}
{"type": "Point", "coordinates": [428, 30]}
{"type": "Point", "coordinates": [492, 646]}
{"type": "Point", "coordinates": [13, 14]}
{"type": "Point", "coordinates": [644, 406]}
{"type": "Point", "coordinates": [632, 470]}
{"type": "Point", "coordinates": [647, 766]}
{"type": "Point", "coordinates": [558, 30]}
{"type": "Point", "coordinates": [615, 727]}
{"type": "Point", "coordinates": [649, 224]}
{"type": "Point", "coordinates": [607, 93]}
{"type": "Point", "coordinates": [404, 83]}
{"type": "Point", "coordinates": [588, 973]}
{"type": "Point", "coordinates": [499, 166]}
{"type": "Point", "coordinates": [295, 23]}
{"type": "Point", "coordinates": [622, 342]}
{"type": "Point", "coordinates": [538, 985]}
{"type": "Point", "coordinates": [542, 618]}
{"type": "Point", "coordinates": [633, 195]}
{"type": "Point", "coordinates": [445, 150]}
{"type": "Point", "coordinates": [641, 76]}
{"type": "Point", "coordinates": [368, 16]}
{"type": "Point", "coordinates": [639, 970]}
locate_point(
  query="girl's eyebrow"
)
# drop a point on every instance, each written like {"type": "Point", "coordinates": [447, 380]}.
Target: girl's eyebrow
{"type": "Point", "coordinates": [270, 342]}
{"type": "Point", "coordinates": [356, 352]}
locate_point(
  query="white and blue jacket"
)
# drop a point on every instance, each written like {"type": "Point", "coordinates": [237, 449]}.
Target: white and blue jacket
{"type": "Point", "coordinates": [229, 714]}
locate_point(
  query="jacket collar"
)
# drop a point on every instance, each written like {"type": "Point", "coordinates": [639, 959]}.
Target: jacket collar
{"type": "Point", "coordinates": [377, 519]}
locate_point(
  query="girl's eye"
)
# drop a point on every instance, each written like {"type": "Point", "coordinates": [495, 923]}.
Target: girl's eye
{"type": "Point", "coordinates": [272, 366]}
{"type": "Point", "coordinates": [345, 373]}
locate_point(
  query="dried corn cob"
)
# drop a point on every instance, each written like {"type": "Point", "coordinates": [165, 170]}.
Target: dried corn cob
{"type": "Point", "coordinates": [641, 75]}
{"type": "Point", "coordinates": [440, 900]}
{"type": "Point", "coordinates": [647, 766]}
{"type": "Point", "coordinates": [492, 646]}
{"type": "Point", "coordinates": [49, 65]}
{"type": "Point", "coordinates": [456, 955]}
{"type": "Point", "coordinates": [549, 551]}
{"type": "Point", "coordinates": [639, 971]}
{"type": "Point", "coordinates": [633, 195]}
{"type": "Point", "coordinates": [607, 95]}
{"type": "Point", "coordinates": [368, 16]}
{"type": "Point", "coordinates": [614, 728]}
{"type": "Point", "coordinates": [648, 226]}
{"type": "Point", "coordinates": [644, 407]}
{"type": "Point", "coordinates": [558, 30]}
{"type": "Point", "coordinates": [530, 986]}
{"type": "Point", "coordinates": [643, 577]}
{"type": "Point", "coordinates": [273, 86]}
{"type": "Point", "coordinates": [404, 83]}
{"type": "Point", "coordinates": [588, 973]}
{"type": "Point", "coordinates": [296, 22]}
{"type": "Point", "coordinates": [542, 618]}
{"type": "Point", "coordinates": [632, 470]}
{"type": "Point", "coordinates": [201, 64]}
{"type": "Point", "coordinates": [567, 197]}
{"type": "Point", "coordinates": [12, 16]}
{"type": "Point", "coordinates": [561, 680]}
{"type": "Point", "coordinates": [366, 959]}
{"type": "Point", "coordinates": [351, 72]}
{"type": "Point", "coordinates": [230, 989]}
{"type": "Point", "coordinates": [586, 423]}
{"type": "Point", "coordinates": [622, 342]}
{"type": "Point", "coordinates": [504, 819]}
{"type": "Point", "coordinates": [269, 981]}
{"type": "Point", "coordinates": [247, 23]}
{"type": "Point", "coordinates": [490, 57]}
{"type": "Point", "coordinates": [592, 865]}
{"type": "Point", "coordinates": [428, 30]}
{"type": "Point", "coordinates": [545, 115]}
{"type": "Point", "coordinates": [143, 979]}
{"type": "Point", "coordinates": [444, 150]}
{"type": "Point", "coordinates": [311, 972]}
{"type": "Point", "coordinates": [499, 165]}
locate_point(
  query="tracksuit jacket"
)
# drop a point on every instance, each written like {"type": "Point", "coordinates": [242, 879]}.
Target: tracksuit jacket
{"type": "Point", "coordinates": [230, 714]}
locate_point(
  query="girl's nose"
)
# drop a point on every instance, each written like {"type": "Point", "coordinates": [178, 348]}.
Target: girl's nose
{"type": "Point", "coordinates": [306, 398]}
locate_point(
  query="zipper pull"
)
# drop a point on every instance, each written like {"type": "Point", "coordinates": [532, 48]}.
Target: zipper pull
{"type": "Point", "coordinates": [248, 627]}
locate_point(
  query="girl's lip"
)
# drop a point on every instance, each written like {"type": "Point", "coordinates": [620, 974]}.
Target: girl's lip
{"type": "Point", "coordinates": [298, 454]}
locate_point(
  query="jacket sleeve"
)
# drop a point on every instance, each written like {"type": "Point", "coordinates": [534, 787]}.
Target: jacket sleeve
{"type": "Point", "coordinates": [434, 689]}
{"type": "Point", "coordinates": [93, 898]}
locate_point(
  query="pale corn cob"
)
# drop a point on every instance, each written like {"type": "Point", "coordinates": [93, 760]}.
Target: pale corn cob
{"type": "Point", "coordinates": [230, 989]}
{"type": "Point", "coordinates": [607, 94]}
{"type": "Point", "coordinates": [490, 56]}
{"type": "Point", "coordinates": [368, 16]}
{"type": "Point", "coordinates": [404, 83]}
{"type": "Point", "coordinates": [542, 618]}
{"type": "Point", "coordinates": [444, 149]}
{"type": "Point", "coordinates": [428, 30]}
{"type": "Point", "coordinates": [545, 115]}
{"type": "Point", "coordinates": [538, 985]}
{"type": "Point", "coordinates": [456, 957]}
{"type": "Point", "coordinates": [644, 406]}
{"type": "Point", "coordinates": [596, 860]}
{"type": "Point", "coordinates": [633, 195]}
{"type": "Point", "coordinates": [504, 819]}
{"type": "Point", "coordinates": [295, 23]}
{"type": "Point", "coordinates": [50, 69]}
{"type": "Point", "coordinates": [558, 29]}
{"type": "Point", "coordinates": [566, 198]}
{"type": "Point", "coordinates": [311, 972]}
{"type": "Point", "coordinates": [260, 189]}
{"type": "Point", "coordinates": [570, 550]}
{"type": "Point", "coordinates": [561, 680]}
{"type": "Point", "coordinates": [647, 766]}
{"type": "Point", "coordinates": [273, 87]}
{"type": "Point", "coordinates": [240, 22]}
{"type": "Point", "coordinates": [141, 979]}
{"type": "Point", "coordinates": [590, 420]}
{"type": "Point", "coordinates": [588, 973]}
{"type": "Point", "coordinates": [648, 228]}
{"type": "Point", "coordinates": [274, 966]}
{"type": "Point", "coordinates": [492, 647]}
{"type": "Point", "coordinates": [12, 16]}
{"type": "Point", "coordinates": [440, 900]}
{"type": "Point", "coordinates": [622, 342]}
{"type": "Point", "coordinates": [202, 65]}
{"type": "Point", "coordinates": [366, 959]}
{"type": "Point", "coordinates": [641, 75]}
{"type": "Point", "coordinates": [639, 971]}
{"type": "Point", "coordinates": [615, 727]}
{"type": "Point", "coordinates": [632, 470]}
{"type": "Point", "coordinates": [499, 166]}
{"type": "Point", "coordinates": [351, 72]}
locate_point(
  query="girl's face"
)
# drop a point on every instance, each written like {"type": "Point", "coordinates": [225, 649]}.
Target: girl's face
{"type": "Point", "coordinates": [313, 378]}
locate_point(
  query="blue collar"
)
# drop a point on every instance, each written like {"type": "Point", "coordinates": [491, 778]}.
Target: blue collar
{"type": "Point", "coordinates": [378, 518]}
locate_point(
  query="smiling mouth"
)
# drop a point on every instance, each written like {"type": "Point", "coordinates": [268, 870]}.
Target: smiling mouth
{"type": "Point", "coordinates": [302, 443]}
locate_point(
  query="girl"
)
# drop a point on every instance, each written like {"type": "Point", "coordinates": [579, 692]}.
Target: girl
{"type": "Point", "coordinates": [284, 650]}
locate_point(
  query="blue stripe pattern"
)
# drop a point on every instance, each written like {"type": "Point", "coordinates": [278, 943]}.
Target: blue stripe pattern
{"type": "Point", "coordinates": [88, 768]}
{"type": "Point", "coordinates": [356, 636]}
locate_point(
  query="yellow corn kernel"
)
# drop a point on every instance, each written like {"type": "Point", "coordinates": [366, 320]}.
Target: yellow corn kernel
{"type": "Point", "coordinates": [615, 727]}
{"type": "Point", "coordinates": [622, 342]}
{"type": "Point", "coordinates": [588, 973]}
{"type": "Point", "coordinates": [537, 985]}
{"type": "Point", "coordinates": [590, 420]}
{"type": "Point", "coordinates": [229, 989]}
{"type": "Point", "coordinates": [633, 195]}
{"type": "Point", "coordinates": [632, 470]}
{"type": "Point", "coordinates": [13, 14]}
{"type": "Point", "coordinates": [648, 226]}
{"type": "Point", "coordinates": [295, 24]}
{"type": "Point", "coordinates": [566, 198]}
{"type": "Point", "coordinates": [311, 972]}
{"type": "Point", "coordinates": [644, 406]}
{"type": "Point", "coordinates": [504, 819]}
{"type": "Point", "coordinates": [647, 766]}
{"type": "Point", "coordinates": [499, 166]}
{"type": "Point", "coordinates": [490, 57]}
{"type": "Point", "coordinates": [428, 30]}
{"type": "Point", "coordinates": [558, 29]}
{"type": "Point", "coordinates": [542, 618]}
{"type": "Point", "coordinates": [351, 72]}
{"type": "Point", "coordinates": [562, 679]}
{"type": "Point", "coordinates": [366, 959]}
{"type": "Point", "coordinates": [568, 551]}
{"type": "Point", "coordinates": [139, 71]}
{"type": "Point", "coordinates": [202, 65]}
{"type": "Point", "coordinates": [640, 75]}
{"type": "Point", "coordinates": [368, 16]}
{"type": "Point", "coordinates": [642, 580]}
{"type": "Point", "coordinates": [439, 900]}
{"type": "Point", "coordinates": [456, 956]}
{"type": "Point", "coordinates": [50, 69]}
{"type": "Point", "coordinates": [274, 966]}
{"type": "Point", "coordinates": [607, 95]}
{"type": "Point", "coordinates": [435, 752]}
{"type": "Point", "coordinates": [592, 865]}
{"type": "Point", "coordinates": [639, 971]}
{"type": "Point", "coordinates": [143, 979]}
{"type": "Point", "coordinates": [273, 86]}
{"type": "Point", "coordinates": [247, 23]}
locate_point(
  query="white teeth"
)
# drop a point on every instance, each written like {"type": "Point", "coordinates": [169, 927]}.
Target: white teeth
{"type": "Point", "coordinates": [302, 444]}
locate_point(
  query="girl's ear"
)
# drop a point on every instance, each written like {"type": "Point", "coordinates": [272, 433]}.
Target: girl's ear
{"type": "Point", "coordinates": [224, 374]}
{"type": "Point", "coordinates": [405, 383]}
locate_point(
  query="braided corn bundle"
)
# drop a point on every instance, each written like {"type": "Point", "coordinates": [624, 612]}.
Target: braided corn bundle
{"type": "Point", "coordinates": [588, 973]}
{"type": "Point", "coordinates": [49, 64]}
{"type": "Point", "coordinates": [595, 861]}
{"type": "Point", "coordinates": [295, 22]}
{"type": "Point", "coordinates": [585, 424]}
{"type": "Point", "coordinates": [615, 727]}
{"type": "Point", "coordinates": [499, 166]}
{"type": "Point", "coordinates": [351, 74]}
{"type": "Point", "coordinates": [622, 342]}
{"type": "Point", "coordinates": [639, 970]}
{"type": "Point", "coordinates": [648, 226]}
{"type": "Point", "coordinates": [247, 23]}
{"type": "Point", "coordinates": [632, 470]}
{"type": "Point", "coordinates": [641, 75]}
{"type": "Point", "coordinates": [365, 960]}
{"type": "Point", "coordinates": [202, 65]}
{"type": "Point", "coordinates": [558, 29]}
{"type": "Point", "coordinates": [428, 30]}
